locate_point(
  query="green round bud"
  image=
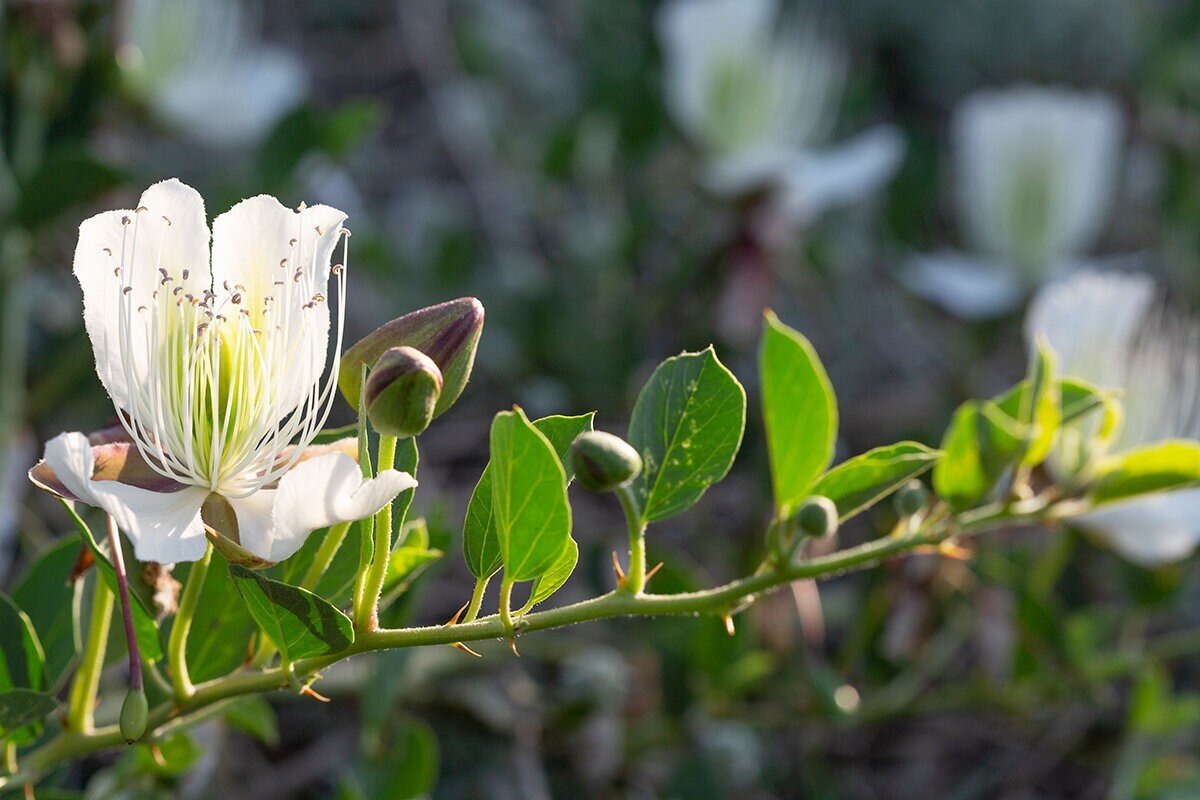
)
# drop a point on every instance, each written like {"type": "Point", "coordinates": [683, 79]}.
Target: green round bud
{"type": "Point", "coordinates": [134, 711]}
{"type": "Point", "coordinates": [817, 517]}
{"type": "Point", "coordinates": [911, 498]}
{"type": "Point", "coordinates": [602, 462]}
{"type": "Point", "coordinates": [402, 391]}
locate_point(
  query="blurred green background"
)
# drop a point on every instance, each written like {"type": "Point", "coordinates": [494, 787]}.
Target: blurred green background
{"type": "Point", "coordinates": [523, 152]}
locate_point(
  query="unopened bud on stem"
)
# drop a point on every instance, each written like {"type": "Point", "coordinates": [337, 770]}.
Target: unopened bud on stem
{"type": "Point", "coordinates": [134, 712]}
{"type": "Point", "coordinates": [911, 498]}
{"type": "Point", "coordinates": [602, 462]}
{"type": "Point", "coordinates": [402, 392]}
{"type": "Point", "coordinates": [817, 517]}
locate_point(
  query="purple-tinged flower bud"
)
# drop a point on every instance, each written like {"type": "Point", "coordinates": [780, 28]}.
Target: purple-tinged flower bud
{"type": "Point", "coordinates": [447, 333]}
{"type": "Point", "coordinates": [602, 462]}
{"type": "Point", "coordinates": [402, 392]}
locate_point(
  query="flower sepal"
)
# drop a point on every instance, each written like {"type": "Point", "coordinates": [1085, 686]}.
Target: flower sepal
{"type": "Point", "coordinates": [221, 528]}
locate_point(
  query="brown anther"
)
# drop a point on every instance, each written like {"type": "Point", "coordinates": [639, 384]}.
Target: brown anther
{"type": "Point", "coordinates": [127, 290]}
{"type": "Point", "coordinates": [344, 232]}
{"type": "Point", "coordinates": [237, 298]}
{"type": "Point", "coordinates": [318, 230]}
{"type": "Point", "coordinates": [291, 243]}
{"type": "Point", "coordinates": [141, 308]}
{"type": "Point", "coordinates": [167, 220]}
{"type": "Point", "coordinates": [186, 272]}
{"type": "Point", "coordinates": [107, 250]}
{"type": "Point", "coordinates": [283, 262]}
{"type": "Point", "coordinates": [140, 209]}
{"type": "Point", "coordinates": [125, 220]}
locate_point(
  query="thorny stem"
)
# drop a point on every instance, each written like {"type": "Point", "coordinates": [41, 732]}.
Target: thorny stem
{"type": "Point", "coordinates": [73, 744]}
{"type": "Point", "coordinates": [366, 613]}
{"type": "Point", "coordinates": [135, 652]}
{"type": "Point", "coordinates": [87, 680]}
{"type": "Point", "coordinates": [177, 646]}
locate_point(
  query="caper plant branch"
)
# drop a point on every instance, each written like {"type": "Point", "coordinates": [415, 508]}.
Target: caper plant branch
{"type": "Point", "coordinates": [82, 699]}
{"type": "Point", "coordinates": [77, 741]}
{"type": "Point", "coordinates": [177, 644]}
{"type": "Point", "coordinates": [366, 609]}
{"type": "Point", "coordinates": [635, 575]}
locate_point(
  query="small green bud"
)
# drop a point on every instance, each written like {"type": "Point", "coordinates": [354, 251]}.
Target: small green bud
{"type": "Point", "coordinates": [447, 333]}
{"type": "Point", "coordinates": [817, 517]}
{"type": "Point", "coordinates": [134, 711]}
{"type": "Point", "coordinates": [402, 391]}
{"type": "Point", "coordinates": [602, 462]}
{"type": "Point", "coordinates": [911, 498]}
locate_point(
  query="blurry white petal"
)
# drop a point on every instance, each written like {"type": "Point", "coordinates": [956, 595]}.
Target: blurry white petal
{"type": "Point", "coordinates": [163, 526]}
{"type": "Point", "coordinates": [127, 249]}
{"type": "Point", "coordinates": [234, 103]}
{"type": "Point", "coordinates": [817, 181]}
{"type": "Point", "coordinates": [745, 173]}
{"type": "Point", "coordinates": [696, 35]}
{"type": "Point", "coordinates": [971, 288]}
{"type": "Point", "coordinates": [1036, 171]}
{"type": "Point", "coordinates": [1151, 531]}
{"type": "Point", "coordinates": [256, 530]}
{"type": "Point", "coordinates": [321, 491]}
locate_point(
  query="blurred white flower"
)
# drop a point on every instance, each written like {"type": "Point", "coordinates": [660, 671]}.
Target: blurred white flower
{"type": "Point", "coordinates": [201, 70]}
{"type": "Point", "coordinates": [759, 102]}
{"type": "Point", "coordinates": [1109, 329]}
{"type": "Point", "coordinates": [1036, 171]}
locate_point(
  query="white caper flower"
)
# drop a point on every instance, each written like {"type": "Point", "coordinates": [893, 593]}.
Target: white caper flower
{"type": "Point", "coordinates": [217, 369]}
{"type": "Point", "coordinates": [1110, 329]}
{"type": "Point", "coordinates": [198, 66]}
{"type": "Point", "coordinates": [1035, 171]}
{"type": "Point", "coordinates": [760, 102]}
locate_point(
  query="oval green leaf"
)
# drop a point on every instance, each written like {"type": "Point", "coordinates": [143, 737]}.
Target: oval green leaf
{"type": "Point", "coordinates": [296, 621]}
{"type": "Point", "coordinates": [799, 412]}
{"type": "Point", "coordinates": [687, 425]}
{"type": "Point", "coordinates": [858, 483]}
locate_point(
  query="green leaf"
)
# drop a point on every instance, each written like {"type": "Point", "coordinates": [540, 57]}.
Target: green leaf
{"type": "Point", "coordinates": [687, 426]}
{"type": "Point", "coordinates": [64, 178]}
{"type": "Point", "coordinates": [481, 544]}
{"type": "Point", "coordinates": [407, 563]}
{"type": "Point", "coordinates": [529, 497]}
{"type": "Point", "coordinates": [221, 628]}
{"type": "Point", "coordinates": [1160, 467]}
{"type": "Point", "coordinates": [799, 412]}
{"type": "Point", "coordinates": [296, 621]}
{"type": "Point", "coordinates": [22, 659]}
{"type": "Point", "coordinates": [144, 624]}
{"type": "Point", "coordinates": [253, 715]}
{"type": "Point", "coordinates": [21, 707]}
{"type": "Point", "coordinates": [980, 446]}
{"type": "Point", "coordinates": [553, 579]}
{"type": "Point", "coordinates": [44, 594]}
{"type": "Point", "coordinates": [858, 483]}
{"type": "Point", "coordinates": [1036, 404]}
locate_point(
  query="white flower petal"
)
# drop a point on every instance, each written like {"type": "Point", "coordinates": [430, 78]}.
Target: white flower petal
{"type": "Point", "coordinates": [1037, 171]}
{"type": "Point", "coordinates": [1151, 531]}
{"type": "Point", "coordinates": [817, 181]}
{"type": "Point", "coordinates": [256, 529]}
{"type": "Point", "coordinates": [163, 526]}
{"type": "Point", "coordinates": [321, 491]}
{"type": "Point", "coordinates": [696, 36]}
{"type": "Point", "coordinates": [264, 248]}
{"type": "Point", "coordinates": [968, 287]}
{"type": "Point", "coordinates": [168, 231]}
{"type": "Point", "coordinates": [235, 102]}
{"type": "Point", "coordinates": [743, 173]}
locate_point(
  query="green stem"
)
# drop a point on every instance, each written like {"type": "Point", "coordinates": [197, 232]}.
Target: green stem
{"type": "Point", "coordinates": [325, 553]}
{"type": "Point", "coordinates": [506, 621]}
{"type": "Point", "coordinates": [72, 744]}
{"type": "Point", "coordinates": [366, 611]}
{"type": "Point", "coordinates": [82, 700]}
{"type": "Point", "coordinates": [635, 579]}
{"type": "Point", "coordinates": [177, 645]}
{"type": "Point", "coordinates": [481, 585]}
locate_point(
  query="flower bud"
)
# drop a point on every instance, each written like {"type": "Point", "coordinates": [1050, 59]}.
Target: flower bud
{"type": "Point", "coordinates": [447, 333]}
{"type": "Point", "coordinates": [134, 711]}
{"type": "Point", "coordinates": [911, 498]}
{"type": "Point", "coordinates": [602, 462]}
{"type": "Point", "coordinates": [817, 517]}
{"type": "Point", "coordinates": [402, 392]}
